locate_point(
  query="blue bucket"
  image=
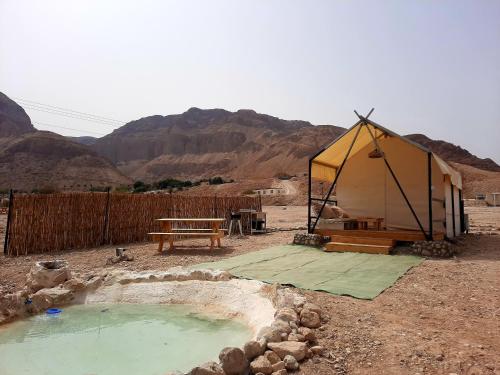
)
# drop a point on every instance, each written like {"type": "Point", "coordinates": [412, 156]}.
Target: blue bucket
{"type": "Point", "coordinates": [53, 311]}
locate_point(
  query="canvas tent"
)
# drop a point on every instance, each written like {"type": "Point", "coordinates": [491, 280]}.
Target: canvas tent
{"type": "Point", "coordinates": [374, 172]}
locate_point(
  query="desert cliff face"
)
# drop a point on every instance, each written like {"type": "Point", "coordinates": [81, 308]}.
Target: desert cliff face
{"type": "Point", "coordinates": [243, 145]}
{"type": "Point", "coordinates": [32, 159]}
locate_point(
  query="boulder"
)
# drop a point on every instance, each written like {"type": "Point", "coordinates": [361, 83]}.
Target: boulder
{"type": "Point", "coordinates": [280, 372]}
{"type": "Point", "coordinates": [309, 318]}
{"type": "Point", "coordinates": [45, 298]}
{"type": "Point", "coordinates": [270, 334]}
{"type": "Point", "coordinates": [278, 366]}
{"type": "Point", "coordinates": [261, 364]}
{"type": "Point", "coordinates": [291, 363]}
{"type": "Point", "coordinates": [282, 326]}
{"type": "Point", "coordinates": [286, 314]}
{"type": "Point", "coordinates": [308, 334]}
{"type": "Point", "coordinates": [312, 307]}
{"type": "Point", "coordinates": [233, 361]}
{"type": "Point", "coordinates": [208, 368]}
{"type": "Point", "coordinates": [74, 284]}
{"type": "Point", "coordinates": [296, 349]}
{"type": "Point", "coordinates": [272, 357]}
{"type": "Point", "coordinates": [47, 274]}
{"type": "Point", "coordinates": [296, 337]}
{"type": "Point", "coordinates": [254, 348]}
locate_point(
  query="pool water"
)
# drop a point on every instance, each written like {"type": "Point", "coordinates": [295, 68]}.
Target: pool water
{"type": "Point", "coordinates": [122, 339]}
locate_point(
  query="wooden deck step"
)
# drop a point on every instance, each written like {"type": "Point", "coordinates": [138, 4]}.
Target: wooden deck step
{"type": "Point", "coordinates": [357, 248]}
{"type": "Point", "coordinates": [363, 240]}
{"type": "Point", "coordinates": [398, 235]}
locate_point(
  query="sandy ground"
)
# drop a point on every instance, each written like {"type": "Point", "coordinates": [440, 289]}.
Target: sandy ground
{"type": "Point", "coordinates": [443, 317]}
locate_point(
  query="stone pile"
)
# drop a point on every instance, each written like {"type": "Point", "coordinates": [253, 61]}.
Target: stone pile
{"type": "Point", "coordinates": [310, 239]}
{"type": "Point", "coordinates": [278, 348]}
{"type": "Point", "coordinates": [438, 249]}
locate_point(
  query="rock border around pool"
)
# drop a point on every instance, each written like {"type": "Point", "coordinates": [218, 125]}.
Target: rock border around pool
{"type": "Point", "coordinates": [276, 348]}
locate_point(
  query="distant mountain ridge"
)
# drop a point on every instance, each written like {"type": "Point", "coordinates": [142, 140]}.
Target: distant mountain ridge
{"type": "Point", "coordinates": [196, 144]}
{"type": "Point", "coordinates": [32, 159]}
{"type": "Point", "coordinates": [450, 152]}
{"type": "Point", "coordinates": [242, 144]}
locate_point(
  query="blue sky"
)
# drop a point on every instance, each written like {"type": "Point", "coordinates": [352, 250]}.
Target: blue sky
{"type": "Point", "coordinates": [429, 67]}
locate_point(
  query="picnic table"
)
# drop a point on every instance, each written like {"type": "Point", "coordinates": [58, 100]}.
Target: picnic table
{"type": "Point", "coordinates": [170, 232]}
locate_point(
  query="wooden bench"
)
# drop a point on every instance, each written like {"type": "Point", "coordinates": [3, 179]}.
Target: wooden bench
{"type": "Point", "coordinates": [170, 234]}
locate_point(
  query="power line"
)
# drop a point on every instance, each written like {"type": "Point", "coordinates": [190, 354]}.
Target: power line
{"type": "Point", "coordinates": [61, 109]}
{"type": "Point", "coordinates": [69, 115]}
{"type": "Point", "coordinates": [64, 127]}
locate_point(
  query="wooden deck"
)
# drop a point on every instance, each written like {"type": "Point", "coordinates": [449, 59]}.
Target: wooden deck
{"type": "Point", "coordinates": [370, 241]}
{"type": "Point", "coordinates": [397, 235]}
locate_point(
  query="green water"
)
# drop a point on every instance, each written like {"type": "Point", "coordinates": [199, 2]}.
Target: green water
{"type": "Point", "coordinates": [115, 339]}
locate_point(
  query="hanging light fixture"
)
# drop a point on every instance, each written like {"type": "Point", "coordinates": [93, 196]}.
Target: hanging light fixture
{"type": "Point", "coordinates": [376, 154]}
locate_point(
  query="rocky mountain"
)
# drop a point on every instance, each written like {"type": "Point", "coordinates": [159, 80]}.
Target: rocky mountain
{"type": "Point", "coordinates": [38, 159]}
{"type": "Point", "coordinates": [452, 153]}
{"type": "Point", "coordinates": [203, 143]}
{"type": "Point", "coordinates": [84, 140]}
{"type": "Point", "coordinates": [196, 144]}
{"type": "Point", "coordinates": [244, 144]}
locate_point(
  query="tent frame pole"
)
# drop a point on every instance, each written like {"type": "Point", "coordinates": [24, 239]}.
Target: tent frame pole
{"type": "Point", "coordinates": [453, 208]}
{"type": "Point", "coordinates": [399, 186]}
{"type": "Point", "coordinates": [309, 196]}
{"type": "Point", "coordinates": [332, 186]}
{"type": "Point", "coordinates": [429, 173]}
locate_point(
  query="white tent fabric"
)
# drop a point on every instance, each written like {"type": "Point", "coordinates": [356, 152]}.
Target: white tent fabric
{"type": "Point", "coordinates": [365, 186]}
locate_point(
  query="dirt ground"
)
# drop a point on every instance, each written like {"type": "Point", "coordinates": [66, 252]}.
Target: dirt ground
{"type": "Point", "coordinates": [442, 317]}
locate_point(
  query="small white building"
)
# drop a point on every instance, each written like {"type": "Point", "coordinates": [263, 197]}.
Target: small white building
{"type": "Point", "coordinates": [270, 191]}
{"type": "Point", "coordinates": [493, 199]}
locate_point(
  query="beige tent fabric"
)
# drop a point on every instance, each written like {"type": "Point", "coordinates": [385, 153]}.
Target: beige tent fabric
{"type": "Point", "coordinates": [325, 164]}
{"type": "Point", "coordinates": [366, 187]}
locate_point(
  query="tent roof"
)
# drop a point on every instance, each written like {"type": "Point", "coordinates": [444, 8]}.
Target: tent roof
{"type": "Point", "coordinates": [328, 160]}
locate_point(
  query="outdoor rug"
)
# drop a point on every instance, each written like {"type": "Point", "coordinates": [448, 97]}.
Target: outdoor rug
{"type": "Point", "coordinates": [358, 275]}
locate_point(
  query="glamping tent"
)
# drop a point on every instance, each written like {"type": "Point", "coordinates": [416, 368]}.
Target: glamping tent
{"type": "Point", "coordinates": [375, 173]}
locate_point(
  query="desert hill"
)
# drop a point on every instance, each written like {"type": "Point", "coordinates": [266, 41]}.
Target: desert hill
{"type": "Point", "coordinates": [242, 145]}
{"type": "Point", "coordinates": [203, 143]}
{"type": "Point", "coordinates": [450, 152]}
{"type": "Point", "coordinates": [38, 159]}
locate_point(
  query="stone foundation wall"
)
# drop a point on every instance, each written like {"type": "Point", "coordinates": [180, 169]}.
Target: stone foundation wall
{"type": "Point", "coordinates": [310, 239]}
{"type": "Point", "coordinates": [438, 249]}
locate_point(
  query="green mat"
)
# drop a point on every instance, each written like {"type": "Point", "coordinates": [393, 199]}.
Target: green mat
{"type": "Point", "coordinates": [359, 275]}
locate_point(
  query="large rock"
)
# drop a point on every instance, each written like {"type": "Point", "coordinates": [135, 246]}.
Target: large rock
{"type": "Point", "coordinates": [308, 334]}
{"type": "Point", "coordinates": [254, 348]}
{"type": "Point", "coordinates": [309, 318]}
{"type": "Point", "coordinates": [282, 326]}
{"type": "Point", "coordinates": [261, 364]}
{"type": "Point", "coordinates": [272, 357]}
{"type": "Point", "coordinates": [48, 297]}
{"type": "Point", "coordinates": [208, 368]}
{"type": "Point", "coordinates": [312, 307]}
{"type": "Point", "coordinates": [270, 334]}
{"type": "Point", "coordinates": [291, 363]}
{"type": "Point", "coordinates": [48, 274]}
{"type": "Point", "coordinates": [233, 361]}
{"type": "Point", "coordinates": [286, 314]}
{"type": "Point", "coordinates": [296, 349]}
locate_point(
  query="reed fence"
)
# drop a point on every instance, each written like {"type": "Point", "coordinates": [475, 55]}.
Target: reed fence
{"type": "Point", "coordinates": [45, 223]}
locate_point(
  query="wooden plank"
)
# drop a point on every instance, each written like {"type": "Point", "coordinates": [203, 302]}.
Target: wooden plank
{"type": "Point", "coordinates": [398, 235]}
{"type": "Point", "coordinates": [191, 220]}
{"type": "Point", "coordinates": [184, 234]}
{"type": "Point", "coordinates": [357, 248]}
{"type": "Point", "coordinates": [364, 240]}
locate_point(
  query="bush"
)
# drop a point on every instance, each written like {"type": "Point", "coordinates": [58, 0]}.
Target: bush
{"type": "Point", "coordinates": [215, 181]}
{"type": "Point", "coordinates": [140, 187]}
{"type": "Point", "coordinates": [101, 189]}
